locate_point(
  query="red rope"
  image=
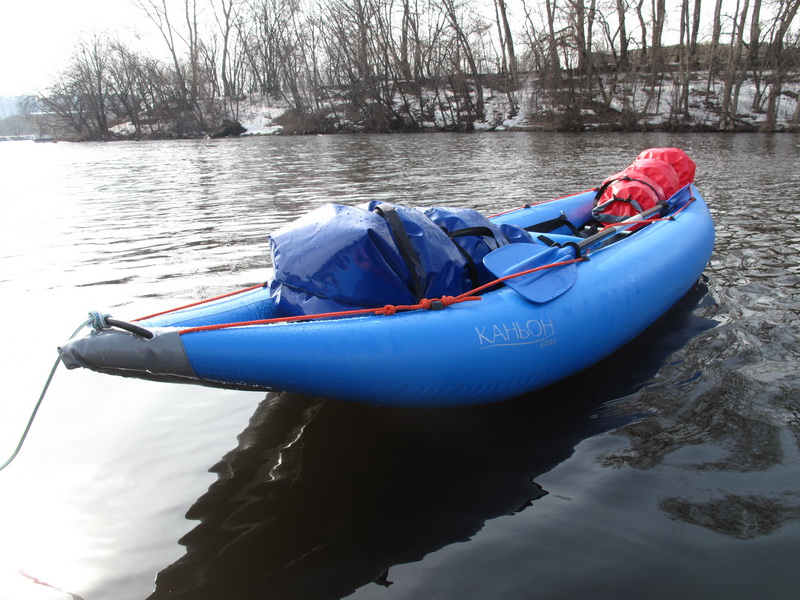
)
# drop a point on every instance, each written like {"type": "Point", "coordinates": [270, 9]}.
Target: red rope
{"type": "Point", "coordinates": [388, 310]}
{"type": "Point", "coordinates": [521, 273]}
{"type": "Point", "coordinates": [198, 303]}
{"type": "Point", "coordinates": [505, 212]}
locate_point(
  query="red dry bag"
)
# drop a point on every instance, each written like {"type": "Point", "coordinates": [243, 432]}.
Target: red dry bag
{"type": "Point", "coordinates": [659, 171]}
{"type": "Point", "coordinates": [680, 161]}
{"type": "Point", "coordinates": [624, 195]}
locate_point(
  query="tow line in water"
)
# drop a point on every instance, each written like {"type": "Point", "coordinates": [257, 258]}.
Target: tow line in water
{"type": "Point", "coordinates": [96, 320]}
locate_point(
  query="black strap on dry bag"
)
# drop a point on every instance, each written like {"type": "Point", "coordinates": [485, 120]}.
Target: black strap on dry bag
{"type": "Point", "coordinates": [410, 256]}
{"type": "Point", "coordinates": [478, 231]}
{"type": "Point", "coordinates": [605, 185]}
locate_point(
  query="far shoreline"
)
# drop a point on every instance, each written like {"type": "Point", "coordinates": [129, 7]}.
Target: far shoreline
{"type": "Point", "coordinates": [587, 130]}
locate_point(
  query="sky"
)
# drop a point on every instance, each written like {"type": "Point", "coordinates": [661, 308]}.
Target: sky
{"type": "Point", "coordinates": [39, 35]}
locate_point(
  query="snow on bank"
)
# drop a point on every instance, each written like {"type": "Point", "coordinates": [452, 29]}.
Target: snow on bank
{"type": "Point", "coordinates": [258, 115]}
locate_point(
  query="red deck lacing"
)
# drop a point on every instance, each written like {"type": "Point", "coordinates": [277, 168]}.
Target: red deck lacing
{"type": "Point", "coordinates": [199, 302]}
{"type": "Point", "coordinates": [530, 205]}
{"type": "Point", "coordinates": [388, 310]}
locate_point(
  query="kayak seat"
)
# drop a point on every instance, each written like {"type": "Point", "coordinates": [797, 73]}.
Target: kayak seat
{"type": "Point", "coordinates": [555, 239]}
{"type": "Point", "coordinates": [559, 224]}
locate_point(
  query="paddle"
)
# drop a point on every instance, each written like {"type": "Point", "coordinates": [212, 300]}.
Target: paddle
{"type": "Point", "coordinates": [544, 285]}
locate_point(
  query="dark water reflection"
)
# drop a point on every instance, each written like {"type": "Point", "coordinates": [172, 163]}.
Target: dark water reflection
{"type": "Point", "coordinates": [321, 498]}
{"type": "Point", "coordinates": [744, 415]}
{"type": "Point", "coordinates": [669, 470]}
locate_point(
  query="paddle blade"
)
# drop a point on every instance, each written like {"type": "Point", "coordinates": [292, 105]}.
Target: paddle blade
{"type": "Point", "coordinates": [540, 286]}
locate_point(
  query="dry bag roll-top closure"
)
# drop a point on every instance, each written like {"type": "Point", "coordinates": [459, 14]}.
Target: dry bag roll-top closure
{"type": "Point", "coordinates": [655, 175]}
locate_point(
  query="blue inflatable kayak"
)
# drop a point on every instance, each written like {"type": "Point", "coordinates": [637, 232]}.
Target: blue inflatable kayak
{"type": "Point", "coordinates": [563, 300]}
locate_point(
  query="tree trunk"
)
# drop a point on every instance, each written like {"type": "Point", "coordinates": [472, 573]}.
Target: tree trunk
{"type": "Point", "coordinates": [713, 49]}
{"type": "Point", "coordinates": [787, 10]}
{"type": "Point", "coordinates": [729, 102]}
{"type": "Point", "coordinates": [642, 30]}
{"type": "Point", "coordinates": [694, 31]}
{"type": "Point", "coordinates": [755, 36]}
{"type": "Point", "coordinates": [623, 35]}
{"type": "Point", "coordinates": [682, 96]}
{"type": "Point", "coordinates": [508, 41]}
{"type": "Point", "coordinates": [552, 47]}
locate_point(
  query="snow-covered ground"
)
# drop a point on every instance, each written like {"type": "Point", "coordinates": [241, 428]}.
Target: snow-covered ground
{"type": "Point", "coordinates": [258, 115]}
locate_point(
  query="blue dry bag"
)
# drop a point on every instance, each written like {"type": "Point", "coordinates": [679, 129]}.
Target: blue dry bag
{"type": "Point", "coordinates": [341, 257]}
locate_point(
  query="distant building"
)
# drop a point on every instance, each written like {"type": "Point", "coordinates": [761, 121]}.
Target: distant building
{"type": "Point", "coordinates": [10, 105]}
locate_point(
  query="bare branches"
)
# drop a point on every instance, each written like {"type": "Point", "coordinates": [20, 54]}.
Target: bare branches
{"type": "Point", "coordinates": [384, 65]}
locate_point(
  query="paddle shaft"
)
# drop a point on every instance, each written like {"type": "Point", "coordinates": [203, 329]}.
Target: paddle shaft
{"type": "Point", "coordinates": [545, 284]}
{"type": "Point", "coordinates": [601, 235]}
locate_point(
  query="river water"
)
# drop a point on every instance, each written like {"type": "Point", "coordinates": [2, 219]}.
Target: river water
{"type": "Point", "coordinates": [672, 469]}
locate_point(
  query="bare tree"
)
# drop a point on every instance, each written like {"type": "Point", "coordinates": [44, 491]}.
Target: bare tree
{"type": "Point", "coordinates": [125, 80]}
{"type": "Point", "coordinates": [386, 64]}
{"type": "Point", "coordinates": [713, 48]}
{"type": "Point", "coordinates": [681, 105]}
{"type": "Point", "coordinates": [785, 12]}
{"type": "Point", "coordinates": [453, 13]}
{"type": "Point", "coordinates": [659, 14]}
{"type": "Point", "coordinates": [694, 30]}
{"type": "Point", "coordinates": [643, 51]}
{"type": "Point", "coordinates": [732, 68]}
{"type": "Point", "coordinates": [622, 9]}
{"type": "Point", "coordinates": [85, 80]}
{"type": "Point", "coordinates": [552, 48]}
{"type": "Point", "coordinates": [190, 118]}
{"type": "Point", "coordinates": [225, 18]}
{"type": "Point", "coordinates": [159, 15]}
{"type": "Point", "coordinates": [507, 40]}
